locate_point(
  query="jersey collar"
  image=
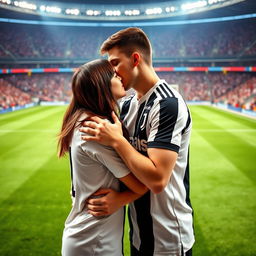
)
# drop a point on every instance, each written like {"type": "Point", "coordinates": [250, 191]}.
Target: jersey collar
{"type": "Point", "coordinates": [146, 96]}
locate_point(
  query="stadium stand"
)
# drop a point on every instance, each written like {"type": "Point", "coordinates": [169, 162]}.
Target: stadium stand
{"type": "Point", "coordinates": [235, 89]}
{"type": "Point", "coordinates": [206, 87]}
{"type": "Point", "coordinates": [200, 40]}
{"type": "Point", "coordinates": [23, 89]}
{"type": "Point", "coordinates": [10, 96]}
{"type": "Point", "coordinates": [242, 96]}
{"type": "Point", "coordinates": [206, 44]}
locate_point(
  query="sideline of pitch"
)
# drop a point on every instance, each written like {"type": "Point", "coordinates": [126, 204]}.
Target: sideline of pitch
{"type": "Point", "coordinates": [243, 112]}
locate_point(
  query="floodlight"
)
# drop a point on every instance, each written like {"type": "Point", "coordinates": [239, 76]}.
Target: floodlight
{"type": "Point", "coordinates": [95, 13]}
{"type": "Point", "coordinates": [132, 12]}
{"type": "Point", "coordinates": [53, 9]}
{"type": "Point", "coordinates": [25, 5]}
{"type": "Point", "coordinates": [170, 9]}
{"type": "Point", "coordinates": [113, 13]}
{"type": "Point", "coordinates": [189, 6]}
{"type": "Point", "coordinates": [6, 1]}
{"type": "Point", "coordinates": [92, 12]}
{"type": "Point", "coordinates": [72, 11]}
{"type": "Point", "coordinates": [42, 8]}
{"type": "Point", "coordinates": [212, 1]}
{"type": "Point", "coordinates": [154, 11]}
{"type": "Point", "coordinates": [161, 10]}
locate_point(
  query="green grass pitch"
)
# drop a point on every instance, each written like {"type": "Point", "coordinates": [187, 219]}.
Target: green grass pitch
{"type": "Point", "coordinates": [34, 198]}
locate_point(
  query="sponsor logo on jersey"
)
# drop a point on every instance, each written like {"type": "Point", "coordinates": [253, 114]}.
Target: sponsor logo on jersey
{"type": "Point", "coordinates": [140, 145]}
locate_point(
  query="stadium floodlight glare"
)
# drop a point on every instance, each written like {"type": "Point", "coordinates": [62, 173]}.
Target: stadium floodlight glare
{"type": "Point", "coordinates": [170, 9]}
{"type": "Point", "coordinates": [189, 6]}
{"type": "Point", "coordinates": [72, 11]}
{"type": "Point", "coordinates": [89, 12]}
{"type": "Point", "coordinates": [25, 5]}
{"type": "Point", "coordinates": [135, 12]}
{"type": "Point", "coordinates": [154, 11]}
{"type": "Point", "coordinates": [52, 9]}
{"type": "Point", "coordinates": [215, 1]}
{"type": "Point", "coordinates": [113, 13]}
{"type": "Point", "coordinates": [212, 1]}
{"type": "Point", "coordinates": [93, 12]}
{"type": "Point", "coordinates": [42, 8]}
{"type": "Point", "coordinates": [6, 1]}
{"type": "Point", "coordinates": [119, 12]}
{"type": "Point", "coordinates": [132, 12]}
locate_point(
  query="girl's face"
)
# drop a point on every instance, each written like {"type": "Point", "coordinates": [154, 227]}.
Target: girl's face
{"type": "Point", "coordinates": [123, 66]}
{"type": "Point", "coordinates": [117, 88]}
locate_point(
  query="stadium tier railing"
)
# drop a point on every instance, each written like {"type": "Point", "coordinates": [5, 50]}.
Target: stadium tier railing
{"type": "Point", "coordinates": [157, 69]}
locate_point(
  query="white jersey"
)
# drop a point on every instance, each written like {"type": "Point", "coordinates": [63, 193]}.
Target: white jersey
{"type": "Point", "coordinates": [161, 224]}
{"type": "Point", "coordinates": [93, 166]}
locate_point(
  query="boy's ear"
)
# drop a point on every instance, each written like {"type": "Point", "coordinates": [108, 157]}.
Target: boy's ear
{"type": "Point", "coordinates": [136, 58]}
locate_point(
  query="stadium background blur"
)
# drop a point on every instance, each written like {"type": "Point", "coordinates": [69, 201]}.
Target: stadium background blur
{"type": "Point", "coordinates": [224, 44]}
{"type": "Point", "coordinates": [213, 63]}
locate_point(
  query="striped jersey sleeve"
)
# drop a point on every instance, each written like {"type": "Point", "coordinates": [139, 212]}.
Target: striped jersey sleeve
{"type": "Point", "coordinates": [167, 124]}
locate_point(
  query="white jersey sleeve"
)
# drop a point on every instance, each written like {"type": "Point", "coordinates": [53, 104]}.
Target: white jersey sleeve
{"type": "Point", "coordinates": [107, 156]}
{"type": "Point", "coordinates": [167, 123]}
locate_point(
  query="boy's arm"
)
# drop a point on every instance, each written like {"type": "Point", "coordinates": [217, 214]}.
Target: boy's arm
{"type": "Point", "coordinates": [154, 171]}
{"type": "Point", "coordinates": [110, 201]}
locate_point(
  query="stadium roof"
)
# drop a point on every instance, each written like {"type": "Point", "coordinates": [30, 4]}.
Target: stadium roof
{"type": "Point", "coordinates": [126, 10]}
{"type": "Point", "coordinates": [125, 2]}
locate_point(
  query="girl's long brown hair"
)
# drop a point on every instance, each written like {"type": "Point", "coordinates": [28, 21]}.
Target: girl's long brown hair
{"type": "Point", "coordinates": [91, 88]}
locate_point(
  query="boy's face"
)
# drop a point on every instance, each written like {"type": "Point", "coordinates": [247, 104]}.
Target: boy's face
{"type": "Point", "coordinates": [123, 66]}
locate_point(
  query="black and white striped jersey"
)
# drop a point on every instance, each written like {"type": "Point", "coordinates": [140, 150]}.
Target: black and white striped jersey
{"type": "Point", "coordinates": [161, 224]}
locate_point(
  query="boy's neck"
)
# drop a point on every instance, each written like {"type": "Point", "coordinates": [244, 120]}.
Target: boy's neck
{"type": "Point", "coordinates": [147, 80]}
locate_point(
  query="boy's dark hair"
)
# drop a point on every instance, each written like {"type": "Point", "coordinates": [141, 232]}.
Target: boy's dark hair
{"type": "Point", "coordinates": [128, 41]}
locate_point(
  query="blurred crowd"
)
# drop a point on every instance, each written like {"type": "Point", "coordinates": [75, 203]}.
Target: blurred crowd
{"type": "Point", "coordinates": [205, 40]}
{"type": "Point", "coordinates": [18, 90]}
{"type": "Point", "coordinates": [242, 96]}
{"type": "Point", "coordinates": [10, 96]}
{"type": "Point", "coordinates": [235, 38]}
{"type": "Point", "coordinates": [236, 89]}
{"type": "Point", "coordinates": [55, 44]}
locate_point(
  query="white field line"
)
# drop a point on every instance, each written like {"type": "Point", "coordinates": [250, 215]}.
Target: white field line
{"type": "Point", "coordinates": [235, 112]}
